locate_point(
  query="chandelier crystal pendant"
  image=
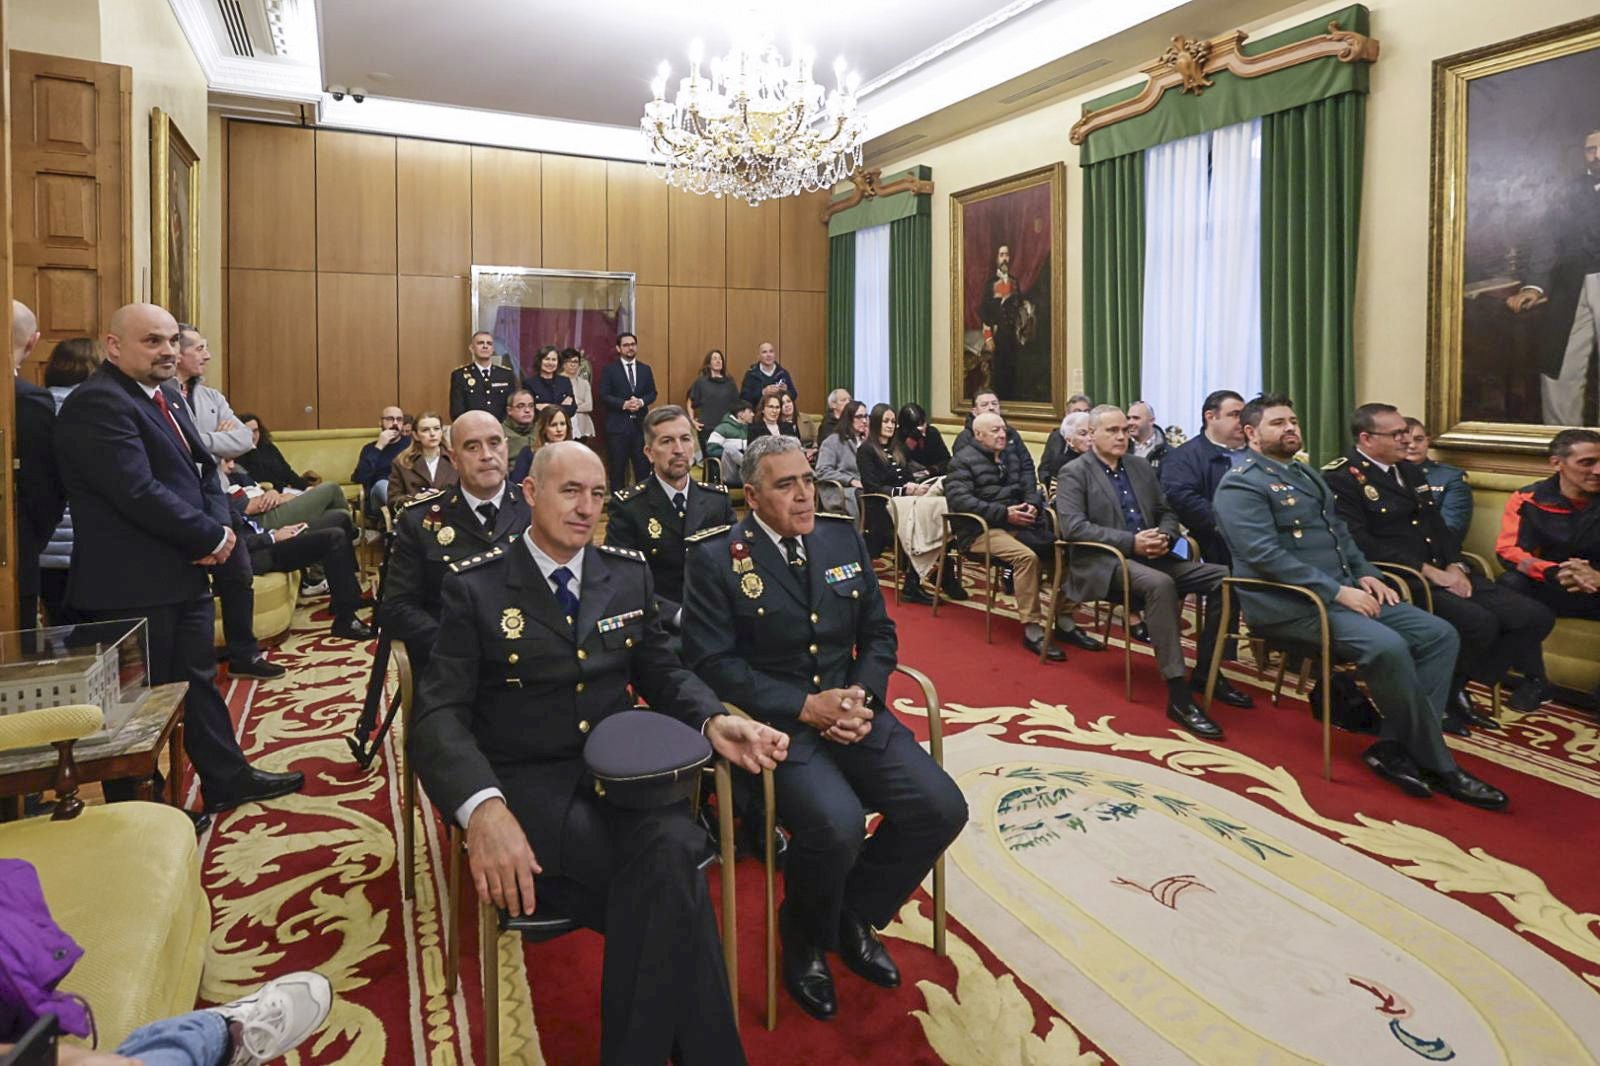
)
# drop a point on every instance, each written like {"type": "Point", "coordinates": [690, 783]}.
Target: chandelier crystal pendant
{"type": "Point", "coordinates": [754, 126]}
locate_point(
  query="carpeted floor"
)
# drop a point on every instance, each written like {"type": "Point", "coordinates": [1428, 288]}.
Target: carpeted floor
{"type": "Point", "coordinates": [1124, 893]}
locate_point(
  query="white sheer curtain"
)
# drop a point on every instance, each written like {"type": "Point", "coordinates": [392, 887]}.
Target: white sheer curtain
{"type": "Point", "coordinates": [1202, 281]}
{"type": "Point", "coordinates": [871, 384]}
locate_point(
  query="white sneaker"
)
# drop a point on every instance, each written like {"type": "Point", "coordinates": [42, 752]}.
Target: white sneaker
{"type": "Point", "coordinates": [318, 589]}
{"type": "Point", "coordinates": [278, 1017]}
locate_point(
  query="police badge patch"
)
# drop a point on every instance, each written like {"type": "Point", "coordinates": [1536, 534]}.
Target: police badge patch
{"type": "Point", "coordinates": [511, 623]}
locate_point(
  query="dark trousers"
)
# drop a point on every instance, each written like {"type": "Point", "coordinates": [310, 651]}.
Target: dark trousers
{"type": "Point", "coordinates": [234, 585]}
{"type": "Point", "coordinates": [625, 446]}
{"type": "Point", "coordinates": [1564, 603]}
{"type": "Point", "coordinates": [329, 547]}
{"type": "Point", "coordinates": [1406, 656]}
{"type": "Point", "coordinates": [180, 650]}
{"type": "Point", "coordinates": [53, 594]}
{"type": "Point", "coordinates": [1500, 629]}
{"type": "Point", "coordinates": [1162, 585]}
{"type": "Point", "coordinates": [634, 876]}
{"type": "Point", "coordinates": [832, 864]}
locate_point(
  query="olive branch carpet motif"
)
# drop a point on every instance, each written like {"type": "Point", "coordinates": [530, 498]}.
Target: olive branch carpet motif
{"type": "Point", "coordinates": [1124, 893]}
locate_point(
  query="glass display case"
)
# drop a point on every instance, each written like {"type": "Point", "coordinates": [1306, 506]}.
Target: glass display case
{"type": "Point", "coordinates": [105, 664]}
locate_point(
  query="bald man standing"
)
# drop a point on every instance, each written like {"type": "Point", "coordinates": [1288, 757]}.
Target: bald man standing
{"type": "Point", "coordinates": [38, 498]}
{"type": "Point", "coordinates": [149, 516]}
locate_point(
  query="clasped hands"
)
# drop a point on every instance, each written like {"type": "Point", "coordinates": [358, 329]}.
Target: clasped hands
{"type": "Point", "coordinates": [1368, 597]}
{"type": "Point", "coordinates": [1151, 543]}
{"type": "Point", "coordinates": [839, 714]}
{"type": "Point", "coordinates": [220, 556]}
{"type": "Point", "coordinates": [1450, 578]}
{"type": "Point", "coordinates": [1578, 575]}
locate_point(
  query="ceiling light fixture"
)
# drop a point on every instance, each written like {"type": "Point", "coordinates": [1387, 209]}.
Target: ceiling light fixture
{"type": "Point", "coordinates": [754, 125]}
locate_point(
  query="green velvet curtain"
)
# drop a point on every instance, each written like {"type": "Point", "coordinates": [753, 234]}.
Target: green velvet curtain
{"type": "Point", "coordinates": [1113, 280]}
{"type": "Point", "coordinates": [1310, 206]}
{"type": "Point", "coordinates": [841, 311]}
{"type": "Point", "coordinates": [911, 311]}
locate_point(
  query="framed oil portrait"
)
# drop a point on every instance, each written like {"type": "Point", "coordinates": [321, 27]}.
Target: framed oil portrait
{"type": "Point", "coordinates": [1007, 298]}
{"type": "Point", "coordinates": [174, 219]}
{"type": "Point", "coordinates": [1515, 275]}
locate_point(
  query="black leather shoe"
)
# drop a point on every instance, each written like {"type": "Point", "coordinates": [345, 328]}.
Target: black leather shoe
{"type": "Point", "coordinates": [260, 668]}
{"type": "Point", "coordinates": [1469, 713]}
{"type": "Point", "coordinates": [805, 971]}
{"type": "Point", "coordinates": [1462, 786]}
{"type": "Point", "coordinates": [1079, 639]}
{"type": "Point", "coordinates": [254, 786]}
{"type": "Point", "coordinates": [864, 953]}
{"type": "Point", "coordinates": [911, 591]}
{"type": "Point", "coordinates": [1455, 725]}
{"type": "Point", "coordinates": [1140, 632]}
{"type": "Point", "coordinates": [1528, 695]}
{"type": "Point", "coordinates": [749, 841]}
{"type": "Point", "coordinates": [201, 820]}
{"type": "Point", "coordinates": [1344, 719]}
{"type": "Point", "coordinates": [1392, 763]}
{"type": "Point", "coordinates": [950, 584]}
{"type": "Point", "coordinates": [1224, 692]}
{"type": "Point", "coordinates": [1055, 654]}
{"type": "Point", "coordinates": [351, 628]}
{"type": "Point", "coordinates": [1194, 720]}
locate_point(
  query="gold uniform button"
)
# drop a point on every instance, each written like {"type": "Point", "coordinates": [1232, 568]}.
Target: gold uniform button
{"type": "Point", "coordinates": [812, 649]}
{"type": "Point", "coordinates": [855, 594]}
{"type": "Point", "coordinates": [578, 687]}
{"type": "Point", "coordinates": [814, 618]}
{"type": "Point", "coordinates": [816, 679]}
{"type": "Point", "coordinates": [628, 643]}
{"type": "Point", "coordinates": [582, 655]}
{"type": "Point", "coordinates": [446, 558]}
{"type": "Point", "coordinates": [512, 658]}
{"type": "Point", "coordinates": [760, 611]}
{"type": "Point", "coordinates": [583, 727]}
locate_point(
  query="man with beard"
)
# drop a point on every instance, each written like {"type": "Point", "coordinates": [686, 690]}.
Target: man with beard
{"type": "Point", "coordinates": [1010, 323]}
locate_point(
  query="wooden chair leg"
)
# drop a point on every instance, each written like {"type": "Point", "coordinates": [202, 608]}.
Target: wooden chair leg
{"type": "Point", "coordinates": [938, 908]}
{"type": "Point", "coordinates": [1327, 713]}
{"type": "Point", "coordinates": [730, 919]}
{"type": "Point", "coordinates": [938, 586]}
{"type": "Point", "coordinates": [1214, 667]}
{"type": "Point", "coordinates": [448, 926]}
{"type": "Point", "coordinates": [1127, 642]}
{"type": "Point", "coordinates": [489, 962]}
{"type": "Point", "coordinates": [990, 576]}
{"type": "Point", "coordinates": [771, 829]}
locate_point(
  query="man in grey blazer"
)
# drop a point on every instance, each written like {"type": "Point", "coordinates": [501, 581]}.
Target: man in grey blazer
{"type": "Point", "coordinates": [1115, 498]}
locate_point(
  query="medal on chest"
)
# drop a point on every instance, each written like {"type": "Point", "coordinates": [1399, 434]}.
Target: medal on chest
{"type": "Point", "coordinates": [446, 536]}
{"type": "Point", "coordinates": [653, 527]}
{"type": "Point", "coordinates": [511, 623]}
{"type": "Point", "coordinates": [749, 581]}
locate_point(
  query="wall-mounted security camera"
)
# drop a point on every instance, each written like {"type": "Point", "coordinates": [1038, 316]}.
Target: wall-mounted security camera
{"type": "Point", "coordinates": [336, 91]}
{"type": "Point", "coordinates": [358, 94]}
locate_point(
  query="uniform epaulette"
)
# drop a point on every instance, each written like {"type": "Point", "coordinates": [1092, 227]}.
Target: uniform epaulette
{"type": "Point", "coordinates": [713, 488]}
{"type": "Point", "coordinates": [631, 491]}
{"type": "Point", "coordinates": [422, 497]}
{"type": "Point", "coordinates": [477, 560]}
{"type": "Point", "coordinates": [830, 514]}
{"type": "Point", "coordinates": [463, 366]}
{"type": "Point", "coordinates": [1341, 461]}
{"type": "Point", "coordinates": [705, 534]}
{"type": "Point", "coordinates": [626, 553]}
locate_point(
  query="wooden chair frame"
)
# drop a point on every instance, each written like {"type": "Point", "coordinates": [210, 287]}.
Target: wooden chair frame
{"type": "Point", "coordinates": [894, 531]}
{"type": "Point", "coordinates": [1063, 562]}
{"type": "Point", "coordinates": [950, 518]}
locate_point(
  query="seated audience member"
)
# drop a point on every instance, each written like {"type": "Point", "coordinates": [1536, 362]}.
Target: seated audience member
{"type": "Point", "coordinates": [1146, 440]}
{"type": "Point", "coordinates": [1064, 444]}
{"type": "Point", "coordinates": [519, 424]}
{"type": "Point", "coordinates": [498, 741]}
{"type": "Point", "coordinates": [70, 364]}
{"type": "Point", "coordinates": [1281, 523]}
{"type": "Point", "coordinates": [39, 500]}
{"type": "Point", "coordinates": [988, 402]}
{"type": "Point", "coordinates": [810, 652]}
{"type": "Point", "coordinates": [480, 512]}
{"type": "Point", "coordinates": [550, 427]}
{"type": "Point", "coordinates": [885, 469]}
{"type": "Point", "coordinates": [272, 508]}
{"type": "Point", "coordinates": [656, 517]}
{"type": "Point", "coordinates": [804, 428]}
{"type": "Point", "coordinates": [377, 458]}
{"type": "Point", "coordinates": [920, 442]}
{"type": "Point", "coordinates": [765, 373]}
{"type": "Point", "coordinates": [1550, 534]}
{"type": "Point", "coordinates": [408, 426]}
{"type": "Point", "coordinates": [266, 463]}
{"type": "Point", "coordinates": [830, 418]}
{"type": "Point", "coordinates": [262, 1026]}
{"type": "Point", "coordinates": [328, 543]}
{"type": "Point", "coordinates": [987, 479]}
{"type": "Point", "coordinates": [551, 388]}
{"type": "Point", "coordinates": [483, 383]}
{"type": "Point", "coordinates": [712, 395]}
{"type": "Point", "coordinates": [426, 464]}
{"type": "Point", "coordinates": [1114, 498]}
{"type": "Point", "coordinates": [1078, 402]}
{"type": "Point", "coordinates": [573, 366]}
{"type": "Point", "coordinates": [836, 461]}
{"type": "Point", "coordinates": [770, 422]}
{"type": "Point", "coordinates": [1192, 471]}
{"type": "Point", "coordinates": [1449, 483]}
{"type": "Point", "coordinates": [726, 443]}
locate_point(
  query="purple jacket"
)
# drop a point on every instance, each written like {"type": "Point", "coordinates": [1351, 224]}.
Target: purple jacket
{"type": "Point", "coordinates": [34, 956]}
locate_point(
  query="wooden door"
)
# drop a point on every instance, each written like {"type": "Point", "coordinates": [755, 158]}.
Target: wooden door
{"type": "Point", "coordinates": [72, 222]}
{"type": "Point", "coordinates": [8, 418]}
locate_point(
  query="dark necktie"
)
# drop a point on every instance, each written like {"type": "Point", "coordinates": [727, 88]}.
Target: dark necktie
{"type": "Point", "coordinates": [565, 595]}
{"type": "Point", "coordinates": [488, 511]}
{"type": "Point", "coordinates": [680, 504]}
{"type": "Point", "coordinates": [632, 384]}
{"type": "Point", "coordinates": [166, 413]}
{"type": "Point", "coordinates": [1398, 479]}
{"type": "Point", "coordinates": [791, 551]}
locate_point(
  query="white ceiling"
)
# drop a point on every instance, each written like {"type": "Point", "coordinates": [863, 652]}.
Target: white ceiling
{"type": "Point", "coordinates": [592, 61]}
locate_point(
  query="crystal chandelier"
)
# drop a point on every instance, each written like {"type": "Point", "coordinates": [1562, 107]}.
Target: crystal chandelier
{"type": "Point", "coordinates": [754, 126]}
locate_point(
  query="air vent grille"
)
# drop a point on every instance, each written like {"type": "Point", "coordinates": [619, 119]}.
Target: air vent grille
{"type": "Point", "coordinates": [1050, 83]}
{"type": "Point", "coordinates": [238, 33]}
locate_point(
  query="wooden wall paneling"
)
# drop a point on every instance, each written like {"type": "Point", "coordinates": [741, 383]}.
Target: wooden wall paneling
{"type": "Point", "coordinates": [803, 346]}
{"type": "Point", "coordinates": [9, 603]}
{"type": "Point", "coordinates": [272, 197]}
{"type": "Point", "coordinates": [697, 240]}
{"type": "Point", "coordinates": [433, 208]}
{"type": "Point", "coordinates": [574, 207]}
{"type": "Point", "coordinates": [698, 320]}
{"type": "Point", "coordinates": [357, 368]}
{"type": "Point", "coordinates": [434, 322]}
{"type": "Point", "coordinates": [355, 203]}
{"type": "Point", "coordinates": [753, 245]}
{"type": "Point", "coordinates": [272, 345]}
{"type": "Point", "coordinates": [506, 194]}
{"type": "Point", "coordinates": [652, 319]}
{"type": "Point", "coordinates": [752, 318]}
{"type": "Point", "coordinates": [803, 242]}
{"type": "Point", "coordinates": [636, 222]}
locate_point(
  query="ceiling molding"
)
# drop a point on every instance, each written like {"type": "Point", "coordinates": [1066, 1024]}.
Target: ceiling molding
{"type": "Point", "coordinates": [949, 44]}
{"type": "Point", "coordinates": [498, 128]}
{"type": "Point", "coordinates": [274, 77]}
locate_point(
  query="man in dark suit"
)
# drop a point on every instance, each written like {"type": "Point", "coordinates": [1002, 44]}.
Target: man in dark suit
{"type": "Point", "coordinates": [784, 618]}
{"type": "Point", "coordinates": [539, 639]}
{"type": "Point", "coordinates": [148, 518]}
{"type": "Point", "coordinates": [38, 496]}
{"type": "Point", "coordinates": [1114, 498]}
{"type": "Point", "coordinates": [1391, 511]}
{"type": "Point", "coordinates": [481, 384]}
{"type": "Point", "coordinates": [481, 511]}
{"type": "Point", "coordinates": [657, 515]}
{"type": "Point", "coordinates": [627, 389]}
{"type": "Point", "coordinates": [1282, 525]}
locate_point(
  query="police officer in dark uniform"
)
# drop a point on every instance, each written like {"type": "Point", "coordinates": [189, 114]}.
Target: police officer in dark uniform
{"type": "Point", "coordinates": [783, 617]}
{"type": "Point", "coordinates": [654, 515]}
{"type": "Point", "coordinates": [539, 639]}
{"type": "Point", "coordinates": [1393, 518]}
{"type": "Point", "coordinates": [482, 384]}
{"type": "Point", "coordinates": [438, 528]}
{"type": "Point", "coordinates": [1282, 524]}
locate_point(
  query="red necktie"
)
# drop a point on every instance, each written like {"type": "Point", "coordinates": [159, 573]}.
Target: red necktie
{"type": "Point", "coordinates": [161, 402]}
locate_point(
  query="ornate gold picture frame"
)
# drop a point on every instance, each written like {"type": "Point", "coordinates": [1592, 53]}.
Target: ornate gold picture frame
{"type": "Point", "coordinates": [1008, 264]}
{"type": "Point", "coordinates": [174, 219]}
{"type": "Point", "coordinates": [1510, 183]}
